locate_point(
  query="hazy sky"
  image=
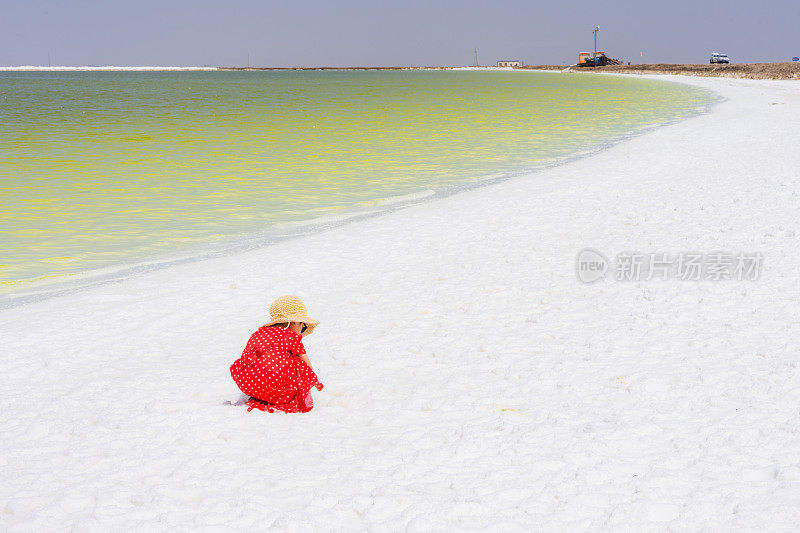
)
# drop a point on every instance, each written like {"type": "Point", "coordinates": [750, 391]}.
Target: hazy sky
{"type": "Point", "coordinates": [383, 33]}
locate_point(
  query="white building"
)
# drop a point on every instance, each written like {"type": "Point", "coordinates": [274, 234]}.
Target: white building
{"type": "Point", "coordinates": [509, 63]}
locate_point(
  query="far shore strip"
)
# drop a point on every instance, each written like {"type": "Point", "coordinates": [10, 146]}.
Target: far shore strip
{"type": "Point", "coordinates": [772, 71]}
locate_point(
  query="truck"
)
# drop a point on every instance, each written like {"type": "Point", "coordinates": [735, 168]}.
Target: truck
{"type": "Point", "coordinates": [716, 57]}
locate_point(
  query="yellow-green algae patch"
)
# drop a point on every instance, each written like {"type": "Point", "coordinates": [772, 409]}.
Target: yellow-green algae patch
{"type": "Point", "coordinates": [104, 168]}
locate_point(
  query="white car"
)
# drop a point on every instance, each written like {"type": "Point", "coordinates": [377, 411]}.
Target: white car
{"type": "Point", "coordinates": [719, 58]}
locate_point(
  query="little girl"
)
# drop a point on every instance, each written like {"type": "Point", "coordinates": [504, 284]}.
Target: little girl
{"type": "Point", "coordinates": [274, 369]}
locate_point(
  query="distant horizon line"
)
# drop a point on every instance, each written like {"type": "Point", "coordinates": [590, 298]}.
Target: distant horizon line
{"type": "Point", "coordinates": [212, 68]}
{"type": "Point", "coordinates": [153, 68]}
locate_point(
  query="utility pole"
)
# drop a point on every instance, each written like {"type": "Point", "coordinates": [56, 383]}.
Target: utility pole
{"type": "Point", "coordinates": [595, 30]}
{"type": "Point", "coordinates": [476, 57]}
{"type": "Point", "coordinates": [248, 58]}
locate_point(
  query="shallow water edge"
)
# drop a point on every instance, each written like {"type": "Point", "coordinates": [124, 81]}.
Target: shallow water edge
{"type": "Point", "coordinates": [119, 273]}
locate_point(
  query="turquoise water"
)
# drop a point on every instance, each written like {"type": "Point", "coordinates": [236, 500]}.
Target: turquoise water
{"type": "Point", "coordinates": [104, 168]}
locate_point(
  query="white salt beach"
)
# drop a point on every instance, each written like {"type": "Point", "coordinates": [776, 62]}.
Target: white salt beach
{"type": "Point", "coordinates": [472, 382]}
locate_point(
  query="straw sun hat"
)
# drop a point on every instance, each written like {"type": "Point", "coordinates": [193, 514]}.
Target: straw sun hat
{"type": "Point", "coordinates": [290, 309]}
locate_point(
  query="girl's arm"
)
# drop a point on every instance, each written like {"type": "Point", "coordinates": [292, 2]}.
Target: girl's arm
{"type": "Point", "coordinates": [304, 357]}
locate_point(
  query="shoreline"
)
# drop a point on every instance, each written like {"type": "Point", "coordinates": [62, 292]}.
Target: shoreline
{"type": "Point", "coordinates": [751, 71]}
{"type": "Point", "coordinates": [470, 379]}
{"type": "Point", "coordinates": [773, 71]}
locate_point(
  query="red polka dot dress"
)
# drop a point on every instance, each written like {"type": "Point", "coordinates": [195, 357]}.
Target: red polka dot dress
{"type": "Point", "coordinates": [272, 374]}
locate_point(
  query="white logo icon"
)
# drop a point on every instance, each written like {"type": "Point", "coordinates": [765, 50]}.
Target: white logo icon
{"type": "Point", "coordinates": [591, 265]}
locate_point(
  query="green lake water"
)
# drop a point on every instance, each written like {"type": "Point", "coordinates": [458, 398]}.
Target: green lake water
{"type": "Point", "coordinates": [101, 169]}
